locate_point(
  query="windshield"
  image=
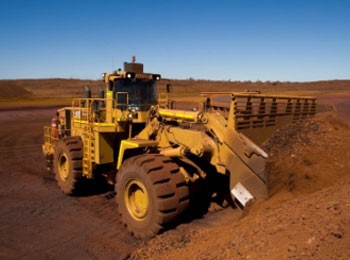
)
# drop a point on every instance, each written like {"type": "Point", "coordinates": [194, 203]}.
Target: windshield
{"type": "Point", "coordinates": [141, 92]}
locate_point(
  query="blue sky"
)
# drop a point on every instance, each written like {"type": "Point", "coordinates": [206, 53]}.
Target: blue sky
{"type": "Point", "coordinates": [287, 40]}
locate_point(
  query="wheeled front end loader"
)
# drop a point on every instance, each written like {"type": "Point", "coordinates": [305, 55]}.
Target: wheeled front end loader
{"type": "Point", "coordinates": [155, 155]}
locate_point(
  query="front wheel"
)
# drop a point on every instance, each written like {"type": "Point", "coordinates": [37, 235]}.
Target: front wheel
{"type": "Point", "coordinates": [151, 194]}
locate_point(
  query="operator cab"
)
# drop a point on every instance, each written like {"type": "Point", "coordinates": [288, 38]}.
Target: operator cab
{"type": "Point", "coordinates": [141, 93]}
{"type": "Point", "coordinates": [132, 89]}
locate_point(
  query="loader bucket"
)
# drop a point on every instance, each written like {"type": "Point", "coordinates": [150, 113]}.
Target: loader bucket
{"type": "Point", "coordinates": [246, 163]}
{"type": "Point", "coordinates": [250, 119]}
{"type": "Point", "coordinates": [258, 116]}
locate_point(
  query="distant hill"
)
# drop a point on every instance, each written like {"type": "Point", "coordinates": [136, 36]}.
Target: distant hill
{"type": "Point", "coordinates": [41, 88]}
{"type": "Point", "coordinates": [11, 89]}
{"type": "Point", "coordinates": [56, 87]}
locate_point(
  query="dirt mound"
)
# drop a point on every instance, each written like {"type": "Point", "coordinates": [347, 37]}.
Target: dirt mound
{"type": "Point", "coordinates": [11, 89]}
{"type": "Point", "coordinates": [301, 228]}
{"type": "Point", "coordinates": [306, 216]}
{"type": "Point", "coordinates": [304, 156]}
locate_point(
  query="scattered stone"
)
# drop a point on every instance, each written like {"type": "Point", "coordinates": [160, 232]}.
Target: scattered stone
{"type": "Point", "coordinates": [338, 234]}
{"type": "Point", "coordinates": [333, 206]}
{"type": "Point", "coordinates": [292, 248]}
{"type": "Point", "coordinates": [310, 241]}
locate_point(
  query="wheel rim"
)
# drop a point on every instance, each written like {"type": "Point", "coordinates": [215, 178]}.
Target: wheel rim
{"type": "Point", "coordinates": [136, 199]}
{"type": "Point", "coordinates": [63, 166]}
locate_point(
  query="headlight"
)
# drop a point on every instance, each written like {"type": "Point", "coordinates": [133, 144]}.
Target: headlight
{"type": "Point", "coordinates": [156, 77]}
{"type": "Point", "coordinates": [130, 75]}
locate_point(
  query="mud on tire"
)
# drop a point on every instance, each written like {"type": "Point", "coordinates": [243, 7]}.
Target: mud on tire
{"type": "Point", "coordinates": [67, 164]}
{"type": "Point", "coordinates": [151, 194]}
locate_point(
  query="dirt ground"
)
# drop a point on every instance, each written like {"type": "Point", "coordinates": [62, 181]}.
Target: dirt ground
{"type": "Point", "coordinates": [307, 216]}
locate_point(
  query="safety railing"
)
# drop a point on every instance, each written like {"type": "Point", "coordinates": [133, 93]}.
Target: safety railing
{"type": "Point", "coordinates": [87, 110]}
{"type": "Point", "coordinates": [51, 136]}
{"type": "Point", "coordinates": [164, 100]}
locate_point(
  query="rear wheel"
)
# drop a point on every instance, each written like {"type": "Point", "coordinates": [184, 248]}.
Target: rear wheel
{"type": "Point", "coordinates": [151, 194]}
{"type": "Point", "coordinates": [68, 164]}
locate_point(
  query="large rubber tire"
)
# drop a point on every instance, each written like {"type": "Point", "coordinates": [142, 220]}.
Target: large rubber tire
{"type": "Point", "coordinates": [151, 194]}
{"type": "Point", "coordinates": [67, 164]}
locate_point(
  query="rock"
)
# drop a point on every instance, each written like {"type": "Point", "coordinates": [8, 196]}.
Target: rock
{"type": "Point", "coordinates": [310, 241]}
{"type": "Point", "coordinates": [292, 248]}
{"type": "Point", "coordinates": [338, 234]}
{"type": "Point", "coordinates": [333, 206]}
